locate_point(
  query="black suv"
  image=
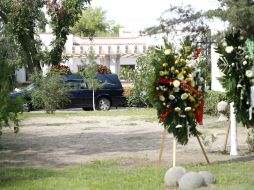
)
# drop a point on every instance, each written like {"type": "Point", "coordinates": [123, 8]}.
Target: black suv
{"type": "Point", "coordinates": [110, 95]}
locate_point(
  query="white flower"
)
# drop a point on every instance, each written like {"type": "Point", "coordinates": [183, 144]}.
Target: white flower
{"type": "Point", "coordinates": [229, 49]}
{"type": "Point", "coordinates": [176, 83]}
{"type": "Point", "coordinates": [233, 64]}
{"type": "Point", "coordinates": [247, 57]}
{"type": "Point", "coordinates": [201, 79]}
{"type": "Point", "coordinates": [249, 73]}
{"type": "Point", "coordinates": [177, 109]}
{"type": "Point", "coordinates": [224, 44]}
{"type": "Point", "coordinates": [171, 97]}
{"type": "Point", "coordinates": [187, 109]}
{"type": "Point", "coordinates": [190, 63]}
{"type": "Point", "coordinates": [157, 88]}
{"type": "Point", "coordinates": [167, 52]}
{"type": "Point", "coordinates": [184, 96]}
{"type": "Point", "coordinates": [239, 86]}
{"type": "Point", "coordinates": [241, 38]}
{"type": "Point", "coordinates": [162, 98]}
{"type": "Point", "coordinates": [245, 62]}
{"type": "Point", "coordinates": [179, 126]}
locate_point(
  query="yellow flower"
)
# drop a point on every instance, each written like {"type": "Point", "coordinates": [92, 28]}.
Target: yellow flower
{"type": "Point", "coordinates": [171, 97]}
{"type": "Point", "coordinates": [162, 98]}
{"type": "Point", "coordinates": [184, 96]}
{"type": "Point", "coordinates": [182, 60]}
{"type": "Point", "coordinates": [176, 71]}
{"type": "Point", "coordinates": [180, 76]}
{"type": "Point", "coordinates": [176, 89]}
{"type": "Point", "coordinates": [166, 72]}
{"type": "Point", "coordinates": [165, 64]}
{"type": "Point", "coordinates": [191, 99]}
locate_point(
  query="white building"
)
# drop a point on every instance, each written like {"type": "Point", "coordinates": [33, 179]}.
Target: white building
{"type": "Point", "coordinates": [114, 52]}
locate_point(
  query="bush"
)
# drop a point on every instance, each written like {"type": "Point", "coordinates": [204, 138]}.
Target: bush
{"type": "Point", "coordinates": [250, 139]}
{"type": "Point", "coordinates": [212, 98]}
{"type": "Point", "coordinates": [60, 69]}
{"type": "Point", "coordinates": [49, 92]}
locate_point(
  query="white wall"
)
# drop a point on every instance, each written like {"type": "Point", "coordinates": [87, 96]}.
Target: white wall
{"type": "Point", "coordinates": [128, 60]}
{"type": "Point", "coordinates": [215, 71]}
{"type": "Point", "coordinates": [21, 75]}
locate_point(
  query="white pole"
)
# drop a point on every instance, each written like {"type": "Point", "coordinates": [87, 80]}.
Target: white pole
{"type": "Point", "coordinates": [233, 128]}
{"type": "Point", "coordinates": [174, 151]}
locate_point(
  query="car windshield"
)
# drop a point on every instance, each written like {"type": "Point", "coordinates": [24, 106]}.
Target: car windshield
{"type": "Point", "coordinates": [29, 87]}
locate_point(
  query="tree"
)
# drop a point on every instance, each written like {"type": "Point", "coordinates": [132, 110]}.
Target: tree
{"type": "Point", "coordinates": [9, 107]}
{"type": "Point", "coordinates": [238, 13]}
{"type": "Point", "coordinates": [63, 14]}
{"type": "Point", "coordinates": [89, 75]}
{"type": "Point", "coordinates": [22, 19]}
{"type": "Point", "coordinates": [93, 22]}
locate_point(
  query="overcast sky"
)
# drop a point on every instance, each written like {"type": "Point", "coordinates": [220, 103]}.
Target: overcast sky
{"type": "Point", "coordinates": [139, 14]}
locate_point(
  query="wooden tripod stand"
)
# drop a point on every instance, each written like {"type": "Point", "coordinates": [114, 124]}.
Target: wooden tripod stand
{"type": "Point", "coordinates": [174, 148]}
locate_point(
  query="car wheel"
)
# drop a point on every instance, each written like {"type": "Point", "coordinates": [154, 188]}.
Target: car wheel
{"type": "Point", "coordinates": [26, 108]}
{"type": "Point", "coordinates": [103, 104]}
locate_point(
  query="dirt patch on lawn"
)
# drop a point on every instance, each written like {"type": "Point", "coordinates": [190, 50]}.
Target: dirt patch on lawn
{"type": "Point", "coordinates": [63, 141]}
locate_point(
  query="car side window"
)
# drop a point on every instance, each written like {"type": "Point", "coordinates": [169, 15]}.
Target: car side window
{"type": "Point", "coordinates": [83, 85]}
{"type": "Point", "coordinates": [75, 85]}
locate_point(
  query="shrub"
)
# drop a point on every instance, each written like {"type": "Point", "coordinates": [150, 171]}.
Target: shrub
{"type": "Point", "coordinates": [49, 92]}
{"type": "Point", "coordinates": [250, 139]}
{"type": "Point", "coordinates": [212, 98]}
{"type": "Point", "coordinates": [60, 69]}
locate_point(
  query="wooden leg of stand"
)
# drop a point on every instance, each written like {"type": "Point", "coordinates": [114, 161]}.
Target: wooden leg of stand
{"type": "Point", "coordinates": [226, 140]}
{"type": "Point", "coordinates": [203, 150]}
{"type": "Point", "coordinates": [174, 152]}
{"type": "Point", "coordinates": [162, 145]}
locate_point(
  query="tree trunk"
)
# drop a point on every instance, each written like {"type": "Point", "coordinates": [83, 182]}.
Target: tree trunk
{"type": "Point", "coordinates": [93, 101]}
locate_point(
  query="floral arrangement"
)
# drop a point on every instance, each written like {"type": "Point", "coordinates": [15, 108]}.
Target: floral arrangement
{"type": "Point", "coordinates": [60, 69]}
{"type": "Point", "coordinates": [102, 69]}
{"type": "Point", "coordinates": [236, 64]}
{"type": "Point", "coordinates": [176, 91]}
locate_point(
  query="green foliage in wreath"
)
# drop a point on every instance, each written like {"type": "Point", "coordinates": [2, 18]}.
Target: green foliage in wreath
{"type": "Point", "coordinates": [176, 89]}
{"type": "Point", "coordinates": [236, 65]}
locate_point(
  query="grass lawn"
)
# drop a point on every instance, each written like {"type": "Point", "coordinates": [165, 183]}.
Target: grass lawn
{"type": "Point", "coordinates": [112, 175]}
{"type": "Point", "coordinates": [116, 112]}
